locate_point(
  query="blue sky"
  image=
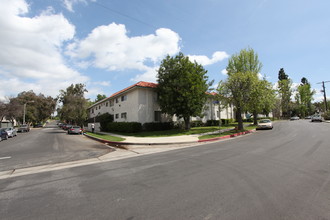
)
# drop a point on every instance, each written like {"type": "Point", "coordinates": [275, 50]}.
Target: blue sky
{"type": "Point", "coordinates": [111, 44]}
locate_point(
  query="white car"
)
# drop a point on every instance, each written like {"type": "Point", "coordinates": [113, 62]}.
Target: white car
{"type": "Point", "coordinates": [265, 124]}
{"type": "Point", "coordinates": [316, 118]}
{"type": "Point", "coordinates": [12, 132]}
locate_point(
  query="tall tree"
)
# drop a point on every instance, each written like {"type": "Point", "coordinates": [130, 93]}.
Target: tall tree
{"type": "Point", "coordinates": [38, 108]}
{"type": "Point", "coordinates": [262, 98]}
{"type": "Point", "coordinates": [285, 92]}
{"type": "Point", "coordinates": [99, 97]}
{"type": "Point", "coordinates": [243, 69]}
{"type": "Point", "coordinates": [74, 104]}
{"type": "Point", "coordinates": [182, 87]}
{"type": "Point", "coordinates": [304, 97]}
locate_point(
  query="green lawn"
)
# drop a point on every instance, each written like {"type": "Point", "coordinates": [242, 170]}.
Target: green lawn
{"type": "Point", "coordinates": [203, 137]}
{"type": "Point", "coordinates": [105, 137]}
{"type": "Point", "coordinates": [177, 132]}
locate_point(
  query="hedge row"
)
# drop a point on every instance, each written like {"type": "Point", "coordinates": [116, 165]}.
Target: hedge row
{"type": "Point", "coordinates": [216, 122]}
{"type": "Point", "coordinates": [133, 127]}
{"type": "Point", "coordinates": [126, 127]}
{"type": "Point", "coordinates": [158, 126]}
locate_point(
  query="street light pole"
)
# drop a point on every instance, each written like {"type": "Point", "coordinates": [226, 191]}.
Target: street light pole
{"type": "Point", "coordinates": [324, 94]}
{"type": "Point", "coordinates": [24, 110]}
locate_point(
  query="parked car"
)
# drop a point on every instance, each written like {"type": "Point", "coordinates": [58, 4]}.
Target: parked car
{"type": "Point", "coordinates": [75, 130]}
{"type": "Point", "coordinates": [39, 125]}
{"type": "Point", "coordinates": [23, 128]}
{"type": "Point", "coordinates": [3, 134]}
{"type": "Point", "coordinates": [294, 118]}
{"type": "Point", "coordinates": [12, 132]}
{"type": "Point", "coordinates": [265, 124]}
{"type": "Point", "coordinates": [66, 126]}
{"type": "Point", "coordinates": [316, 118]}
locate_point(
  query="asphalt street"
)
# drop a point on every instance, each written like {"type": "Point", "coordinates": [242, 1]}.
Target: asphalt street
{"type": "Point", "coordinates": [282, 173]}
{"type": "Point", "coordinates": [48, 145]}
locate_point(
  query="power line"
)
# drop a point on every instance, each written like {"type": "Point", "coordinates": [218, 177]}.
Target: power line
{"type": "Point", "coordinates": [324, 94]}
{"type": "Point", "coordinates": [124, 15]}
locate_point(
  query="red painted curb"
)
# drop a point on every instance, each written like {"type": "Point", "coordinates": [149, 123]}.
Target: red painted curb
{"type": "Point", "coordinates": [227, 136]}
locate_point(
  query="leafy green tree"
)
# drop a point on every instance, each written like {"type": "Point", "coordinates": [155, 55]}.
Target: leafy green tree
{"type": "Point", "coordinates": [74, 104]}
{"type": "Point", "coordinates": [262, 98]}
{"type": "Point", "coordinates": [285, 92]}
{"type": "Point", "coordinates": [182, 87]}
{"type": "Point", "coordinates": [304, 97]}
{"type": "Point", "coordinates": [243, 69]}
{"type": "Point", "coordinates": [99, 97]}
{"type": "Point", "coordinates": [38, 107]}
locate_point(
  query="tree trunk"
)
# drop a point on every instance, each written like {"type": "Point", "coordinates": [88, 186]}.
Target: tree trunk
{"type": "Point", "coordinates": [255, 118]}
{"type": "Point", "coordinates": [187, 123]}
{"type": "Point", "coordinates": [239, 119]}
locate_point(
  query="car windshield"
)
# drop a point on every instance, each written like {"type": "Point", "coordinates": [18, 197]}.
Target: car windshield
{"type": "Point", "coordinates": [264, 121]}
{"type": "Point", "coordinates": [75, 127]}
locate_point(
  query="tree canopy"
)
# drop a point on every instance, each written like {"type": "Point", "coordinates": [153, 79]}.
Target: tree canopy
{"type": "Point", "coordinates": [285, 92]}
{"type": "Point", "coordinates": [38, 107]}
{"type": "Point", "coordinates": [243, 69]}
{"type": "Point", "coordinates": [182, 87]}
{"type": "Point", "coordinates": [74, 104]}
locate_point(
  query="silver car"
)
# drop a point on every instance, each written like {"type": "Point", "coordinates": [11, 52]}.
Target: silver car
{"type": "Point", "coordinates": [12, 132]}
{"type": "Point", "coordinates": [75, 130]}
{"type": "Point", "coordinates": [316, 118]}
{"type": "Point", "coordinates": [265, 124]}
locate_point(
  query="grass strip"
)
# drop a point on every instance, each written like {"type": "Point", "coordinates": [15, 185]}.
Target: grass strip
{"type": "Point", "coordinates": [105, 137]}
{"type": "Point", "coordinates": [210, 136]}
{"type": "Point", "coordinates": [176, 132]}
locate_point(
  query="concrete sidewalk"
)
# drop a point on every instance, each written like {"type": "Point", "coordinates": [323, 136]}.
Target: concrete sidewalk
{"type": "Point", "coordinates": [183, 139]}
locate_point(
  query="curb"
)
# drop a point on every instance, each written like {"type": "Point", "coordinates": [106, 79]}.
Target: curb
{"type": "Point", "coordinates": [228, 136]}
{"type": "Point", "coordinates": [121, 144]}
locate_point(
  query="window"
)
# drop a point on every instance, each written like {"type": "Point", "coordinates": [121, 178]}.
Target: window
{"type": "Point", "coordinates": [124, 98]}
{"type": "Point", "coordinates": [124, 115]}
{"type": "Point", "coordinates": [158, 115]}
{"type": "Point", "coordinates": [111, 103]}
{"type": "Point", "coordinates": [117, 116]}
{"type": "Point", "coordinates": [117, 100]}
{"type": "Point", "coordinates": [92, 110]}
{"type": "Point", "coordinates": [106, 104]}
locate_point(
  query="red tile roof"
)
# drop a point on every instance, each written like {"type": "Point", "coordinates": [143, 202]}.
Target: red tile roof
{"type": "Point", "coordinates": [139, 84]}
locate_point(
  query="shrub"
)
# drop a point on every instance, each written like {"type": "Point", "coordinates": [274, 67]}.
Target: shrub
{"type": "Point", "coordinates": [196, 124]}
{"type": "Point", "coordinates": [226, 121]}
{"type": "Point", "coordinates": [326, 115]}
{"type": "Point", "coordinates": [126, 127]}
{"type": "Point", "coordinates": [158, 126]}
{"type": "Point", "coordinates": [212, 123]}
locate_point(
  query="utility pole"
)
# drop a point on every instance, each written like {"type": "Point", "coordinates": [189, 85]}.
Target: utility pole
{"type": "Point", "coordinates": [324, 94]}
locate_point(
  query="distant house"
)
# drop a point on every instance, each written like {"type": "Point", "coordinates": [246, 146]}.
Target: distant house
{"type": "Point", "coordinates": [138, 103]}
{"type": "Point", "coordinates": [4, 123]}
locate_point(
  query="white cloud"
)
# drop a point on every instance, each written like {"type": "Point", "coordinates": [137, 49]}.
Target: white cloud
{"type": "Point", "coordinates": [109, 47]}
{"type": "Point", "coordinates": [68, 4]}
{"type": "Point", "coordinates": [30, 55]}
{"type": "Point", "coordinates": [204, 60]}
{"type": "Point", "coordinates": [149, 75]}
{"type": "Point", "coordinates": [224, 72]}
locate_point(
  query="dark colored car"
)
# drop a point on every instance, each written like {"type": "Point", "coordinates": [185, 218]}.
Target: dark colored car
{"type": "Point", "coordinates": [23, 128]}
{"type": "Point", "coordinates": [3, 134]}
{"type": "Point", "coordinates": [39, 125]}
{"type": "Point", "coordinates": [75, 130]}
{"type": "Point", "coordinates": [66, 126]}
